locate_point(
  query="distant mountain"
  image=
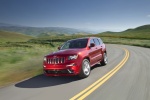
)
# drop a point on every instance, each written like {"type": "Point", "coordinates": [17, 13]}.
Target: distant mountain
{"type": "Point", "coordinates": [39, 31]}
{"type": "Point", "coordinates": [6, 25]}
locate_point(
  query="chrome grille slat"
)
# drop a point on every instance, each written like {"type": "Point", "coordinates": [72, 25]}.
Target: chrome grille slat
{"type": "Point", "coordinates": [61, 60]}
{"type": "Point", "coordinates": [57, 60]}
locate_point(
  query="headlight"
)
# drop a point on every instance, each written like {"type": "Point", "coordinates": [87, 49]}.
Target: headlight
{"type": "Point", "coordinates": [45, 59]}
{"type": "Point", "coordinates": [72, 57]}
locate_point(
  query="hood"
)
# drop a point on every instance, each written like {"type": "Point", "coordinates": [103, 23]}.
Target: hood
{"type": "Point", "coordinates": [67, 52]}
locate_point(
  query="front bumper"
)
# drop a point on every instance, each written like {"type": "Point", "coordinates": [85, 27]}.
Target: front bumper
{"type": "Point", "coordinates": [61, 70]}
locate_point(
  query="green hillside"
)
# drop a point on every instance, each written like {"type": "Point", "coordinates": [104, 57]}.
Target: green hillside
{"type": "Point", "coordinates": [13, 37]}
{"type": "Point", "coordinates": [139, 36]}
{"type": "Point", "coordinates": [142, 32]}
{"type": "Point", "coordinates": [139, 32]}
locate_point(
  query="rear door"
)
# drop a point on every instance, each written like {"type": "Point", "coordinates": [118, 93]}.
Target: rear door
{"type": "Point", "coordinates": [98, 49]}
{"type": "Point", "coordinates": [92, 53]}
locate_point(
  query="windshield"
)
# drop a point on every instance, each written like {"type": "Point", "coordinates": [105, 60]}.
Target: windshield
{"type": "Point", "coordinates": [79, 43]}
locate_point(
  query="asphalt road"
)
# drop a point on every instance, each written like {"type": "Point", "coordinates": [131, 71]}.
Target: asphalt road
{"type": "Point", "coordinates": [131, 82]}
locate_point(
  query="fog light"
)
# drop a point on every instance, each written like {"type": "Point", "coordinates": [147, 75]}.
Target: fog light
{"type": "Point", "coordinates": [44, 66]}
{"type": "Point", "coordinates": [70, 65]}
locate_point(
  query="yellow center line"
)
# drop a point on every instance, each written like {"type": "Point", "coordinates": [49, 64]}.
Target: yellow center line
{"type": "Point", "coordinates": [83, 94]}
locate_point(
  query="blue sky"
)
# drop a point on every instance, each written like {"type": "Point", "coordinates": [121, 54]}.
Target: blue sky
{"type": "Point", "coordinates": [96, 15]}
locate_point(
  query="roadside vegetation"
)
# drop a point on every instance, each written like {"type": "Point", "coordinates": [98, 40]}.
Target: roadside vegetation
{"type": "Point", "coordinates": [22, 56]}
{"type": "Point", "coordinates": [20, 60]}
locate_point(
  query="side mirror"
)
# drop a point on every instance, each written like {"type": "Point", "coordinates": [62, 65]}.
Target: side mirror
{"type": "Point", "coordinates": [92, 45]}
{"type": "Point", "coordinates": [58, 48]}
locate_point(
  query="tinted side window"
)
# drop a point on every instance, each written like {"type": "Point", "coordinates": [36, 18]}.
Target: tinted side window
{"type": "Point", "coordinates": [96, 41]}
{"type": "Point", "coordinates": [101, 42]}
{"type": "Point", "coordinates": [92, 41]}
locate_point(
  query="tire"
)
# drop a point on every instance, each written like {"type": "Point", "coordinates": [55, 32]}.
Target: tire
{"type": "Point", "coordinates": [85, 69]}
{"type": "Point", "coordinates": [105, 60]}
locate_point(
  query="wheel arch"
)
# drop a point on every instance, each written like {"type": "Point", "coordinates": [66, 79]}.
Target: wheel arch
{"type": "Point", "coordinates": [88, 58]}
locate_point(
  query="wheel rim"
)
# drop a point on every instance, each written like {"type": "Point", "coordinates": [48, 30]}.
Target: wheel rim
{"type": "Point", "coordinates": [86, 68]}
{"type": "Point", "coordinates": [105, 58]}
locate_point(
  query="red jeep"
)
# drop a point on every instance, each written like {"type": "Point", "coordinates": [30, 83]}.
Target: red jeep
{"type": "Point", "coordinates": [76, 57]}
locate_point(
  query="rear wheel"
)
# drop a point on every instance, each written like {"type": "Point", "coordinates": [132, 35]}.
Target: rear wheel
{"type": "Point", "coordinates": [86, 69]}
{"type": "Point", "coordinates": [105, 59]}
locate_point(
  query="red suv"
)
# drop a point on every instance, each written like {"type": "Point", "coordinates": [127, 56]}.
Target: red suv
{"type": "Point", "coordinates": [76, 57]}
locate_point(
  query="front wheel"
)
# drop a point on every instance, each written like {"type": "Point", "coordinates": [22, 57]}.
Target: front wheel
{"type": "Point", "coordinates": [105, 60]}
{"type": "Point", "coordinates": [85, 69]}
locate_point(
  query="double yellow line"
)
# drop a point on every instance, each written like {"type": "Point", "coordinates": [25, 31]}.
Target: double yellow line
{"type": "Point", "coordinates": [83, 94]}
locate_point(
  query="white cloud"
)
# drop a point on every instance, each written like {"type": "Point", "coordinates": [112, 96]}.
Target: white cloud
{"type": "Point", "coordinates": [148, 15]}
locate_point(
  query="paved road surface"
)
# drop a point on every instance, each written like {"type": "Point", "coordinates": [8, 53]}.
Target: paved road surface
{"type": "Point", "coordinates": [131, 82]}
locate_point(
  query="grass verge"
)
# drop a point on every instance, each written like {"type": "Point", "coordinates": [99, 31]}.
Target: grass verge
{"type": "Point", "coordinates": [21, 60]}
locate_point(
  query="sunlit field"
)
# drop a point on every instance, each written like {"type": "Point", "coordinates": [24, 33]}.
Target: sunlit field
{"type": "Point", "coordinates": [21, 60]}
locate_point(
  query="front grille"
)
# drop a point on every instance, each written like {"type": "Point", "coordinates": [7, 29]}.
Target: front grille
{"type": "Point", "coordinates": [56, 71]}
{"type": "Point", "coordinates": [63, 71]}
{"type": "Point", "coordinates": [56, 60]}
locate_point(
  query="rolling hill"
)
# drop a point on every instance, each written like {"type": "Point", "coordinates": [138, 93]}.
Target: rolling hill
{"type": "Point", "coordinates": [13, 37]}
{"type": "Point", "coordinates": [38, 31]}
{"type": "Point", "coordinates": [139, 32]}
